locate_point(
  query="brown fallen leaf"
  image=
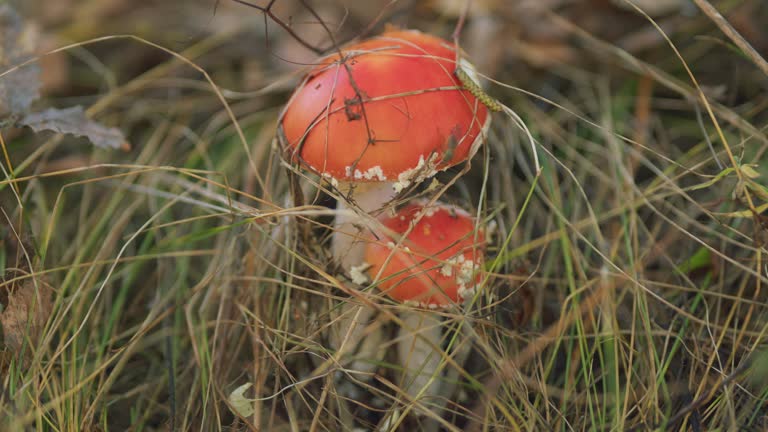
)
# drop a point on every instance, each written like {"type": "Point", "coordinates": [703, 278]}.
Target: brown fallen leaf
{"type": "Point", "coordinates": [26, 307]}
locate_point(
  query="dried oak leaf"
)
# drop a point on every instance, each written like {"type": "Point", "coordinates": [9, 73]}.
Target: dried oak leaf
{"type": "Point", "coordinates": [21, 87]}
{"type": "Point", "coordinates": [74, 122]}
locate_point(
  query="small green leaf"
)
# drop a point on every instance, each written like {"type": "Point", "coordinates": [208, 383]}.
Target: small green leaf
{"type": "Point", "coordinates": [758, 189]}
{"type": "Point", "coordinates": [745, 213]}
{"type": "Point", "coordinates": [750, 171]}
{"type": "Point", "coordinates": [702, 258]}
{"type": "Point", "coordinates": [717, 178]}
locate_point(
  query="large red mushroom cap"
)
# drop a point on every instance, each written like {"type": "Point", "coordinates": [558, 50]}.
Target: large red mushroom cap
{"type": "Point", "coordinates": [400, 117]}
{"type": "Point", "coordinates": [439, 262]}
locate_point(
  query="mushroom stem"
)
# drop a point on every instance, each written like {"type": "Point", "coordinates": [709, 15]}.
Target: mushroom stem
{"type": "Point", "coordinates": [420, 333]}
{"type": "Point", "coordinates": [347, 242]}
{"type": "Point", "coordinates": [460, 352]}
{"type": "Point", "coordinates": [353, 330]}
{"type": "Point", "coordinates": [426, 378]}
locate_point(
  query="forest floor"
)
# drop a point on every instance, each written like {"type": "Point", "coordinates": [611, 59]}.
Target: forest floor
{"type": "Point", "coordinates": [155, 275]}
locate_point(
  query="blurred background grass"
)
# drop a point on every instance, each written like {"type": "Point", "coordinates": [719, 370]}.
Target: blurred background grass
{"type": "Point", "coordinates": [143, 285]}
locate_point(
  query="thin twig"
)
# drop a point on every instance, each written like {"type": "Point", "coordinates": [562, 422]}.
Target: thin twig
{"type": "Point", "coordinates": [732, 34]}
{"type": "Point", "coordinates": [460, 23]}
{"type": "Point", "coordinates": [267, 11]}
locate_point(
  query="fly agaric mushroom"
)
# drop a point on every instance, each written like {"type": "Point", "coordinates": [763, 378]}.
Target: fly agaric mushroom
{"type": "Point", "coordinates": [438, 262]}
{"type": "Point", "coordinates": [381, 114]}
{"type": "Point", "coordinates": [429, 256]}
{"type": "Point", "coordinates": [384, 113]}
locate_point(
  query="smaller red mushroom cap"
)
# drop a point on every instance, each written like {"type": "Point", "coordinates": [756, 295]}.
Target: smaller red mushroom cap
{"type": "Point", "coordinates": [437, 265]}
{"type": "Point", "coordinates": [390, 109]}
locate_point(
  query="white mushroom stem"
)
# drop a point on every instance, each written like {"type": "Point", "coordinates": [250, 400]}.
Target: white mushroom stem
{"type": "Point", "coordinates": [354, 331]}
{"type": "Point", "coordinates": [460, 352]}
{"type": "Point", "coordinates": [346, 243]}
{"type": "Point", "coordinates": [423, 360]}
{"type": "Point", "coordinates": [420, 355]}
